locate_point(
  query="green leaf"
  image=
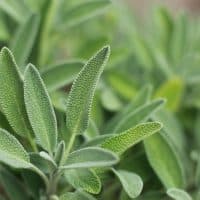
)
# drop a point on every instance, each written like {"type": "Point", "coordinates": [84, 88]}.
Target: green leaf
{"type": "Point", "coordinates": [139, 115]}
{"type": "Point", "coordinates": [82, 92]}
{"type": "Point", "coordinates": [90, 157]}
{"type": "Point", "coordinates": [172, 90]}
{"type": "Point", "coordinates": [131, 182]}
{"type": "Point", "coordinates": [12, 152]}
{"type": "Point", "coordinates": [39, 109]}
{"type": "Point", "coordinates": [12, 101]}
{"type": "Point", "coordinates": [162, 157]}
{"type": "Point", "coordinates": [76, 196]}
{"type": "Point", "coordinates": [61, 74]}
{"type": "Point", "coordinates": [82, 12]}
{"type": "Point", "coordinates": [17, 9]}
{"type": "Point", "coordinates": [13, 187]}
{"type": "Point", "coordinates": [84, 179]}
{"type": "Point", "coordinates": [22, 42]}
{"type": "Point", "coordinates": [59, 154]}
{"type": "Point", "coordinates": [130, 137]}
{"type": "Point", "coordinates": [140, 99]}
{"type": "Point", "coordinates": [178, 194]}
{"type": "Point", "coordinates": [92, 131]}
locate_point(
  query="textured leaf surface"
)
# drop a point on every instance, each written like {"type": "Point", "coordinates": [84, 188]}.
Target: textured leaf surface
{"type": "Point", "coordinates": [12, 152]}
{"type": "Point", "coordinates": [84, 179]}
{"type": "Point", "coordinates": [61, 74]}
{"type": "Point", "coordinates": [12, 101]}
{"type": "Point", "coordinates": [139, 115]}
{"type": "Point", "coordinates": [39, 109]}
{"type": "Point", "coordinates": [162, 157]}
{"type": "Point", "coordinates": [23, 40]}
{"type": "Point", "coordinates": [82, 92]}
{"type": "Point", "coordinates": [178, 194]}
{"type": "Point", "coordinates": [76, 196]}
{"type": "Point", "coordinates": [131, 182]}
{"type": "Point", "coordinates": [90, 157]}
{"type": "Point", "coordinates": [132, 136]}
{"type": "Point", "coordinates": [83, 12]}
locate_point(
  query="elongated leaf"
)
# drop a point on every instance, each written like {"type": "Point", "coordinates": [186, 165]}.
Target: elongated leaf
{"type": "Point", "coordinates": [130, 137]}
{"type": "Point", "coordinates": [61, 74]}
{"type": "Point", "coordinates": [83, 12]}
{"type": "Point", "coordinates": [13, 187]}
{"type": "Point", "coordinates": [39, 109]}
{"type": "Point", "coordinates": [131, 182]}
{"type": "Point", "coordinates": [90, 157]}
{"type": "Point", "coordinates": [12, 152]}
{"type": "Point", "coordinates": [17, 9]}
{"type": "Point", "coordinates": [178, 194]}
{"type": "Point", "coordinates": [12, 101]}
{"type": "Point", "coordinates": [23, 41]}
{"type": "Point", "coordinates": [162, 157]}
{"type": "Point", "coordinates": [84, 179]}
{"type": "Point", "coordinates": [76, 196]}
{"type": "Point", "coordinates": [141, 98]}
{"type": "Point", "coordinates": [82, 92]}
{"type": "Point", "coordinates": [172, 90]}
{"type": "Point", "coordinates": [139, 115]}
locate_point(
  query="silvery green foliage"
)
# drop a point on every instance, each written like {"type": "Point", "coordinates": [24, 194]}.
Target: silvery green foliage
{"type": "Point", "coordinates": [44, 154]}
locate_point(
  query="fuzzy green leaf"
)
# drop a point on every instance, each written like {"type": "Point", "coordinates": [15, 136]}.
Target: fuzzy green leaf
{"type": "Point", "coordinates": [83, 12]}
{"type": "Point", "coordinates": [131, 182]}
{"type": "Point", "coordinates": [84, 179]}
{"type": "Point", "coordinates": [39, 109]}
{"type": "Point", "coordinates": [76, 196]}
{"type": "Point", "coordinates": [90, 157]}
{"type": "Point", "coordinates": [82, 92]}
{"type": "Point", "coordinates": [178, 194]}
{"type": "Point", "coordinates": [139, 115]}
{"type": "Point", "coordinates": [12, 152]}
{"type": "Point", "coordinates": [162, 157]}
{"type": "Point", "coordinates": [61, 74]}
{"type": "Point", "coordinates": [130, 137]}
{"type": "Point", "coordinates": [12, 101]}
{"type": "Point", "coordinates": [23, 41]}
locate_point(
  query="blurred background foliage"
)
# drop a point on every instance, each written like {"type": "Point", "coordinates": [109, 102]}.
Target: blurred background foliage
{"type": "Point", "coordinates": [152, 45]}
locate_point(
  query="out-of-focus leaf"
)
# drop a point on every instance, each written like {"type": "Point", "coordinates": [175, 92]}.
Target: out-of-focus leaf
{"type": "Point", "coordinates": [162, 157]}
{"type": "Point", "coordinates": [22, 42]}
{"type": "Point", "coordinates": [178, 194]}
{"type": "Point", "coordinates": [84, 179]}
{"type": "Point", "coordinates": [61, 74]}
{"type": "Point", "coordinates": [141, 98]}
{"type": "Point", "coordinates": [92, 131]}
{"type": "Point", "coordinates": [13, 187]}
{"type": "Point", "coordinates": [110, 100]}
{"type": "Point", "coordinates": [122, 84]}
{"type": "Point", "coordinates": [139, 115]}
{"type": "Point", "coordinates": [172, 90]}
{"type": "Point", "coordinates": [82, 12]}
{"type": "Point", "coordinates": [17, 9]}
